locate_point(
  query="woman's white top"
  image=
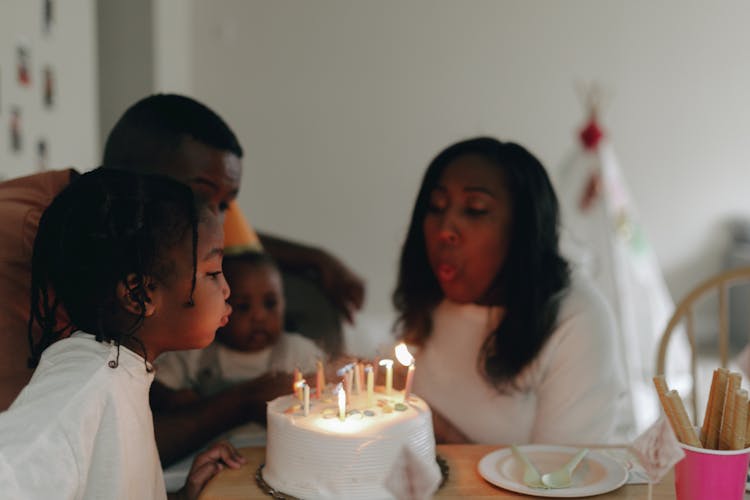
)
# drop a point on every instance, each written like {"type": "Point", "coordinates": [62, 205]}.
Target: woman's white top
{"type": "Point", "coordinates": [80, 429]}
{"type": "Point", "coordinates": [573, 392]}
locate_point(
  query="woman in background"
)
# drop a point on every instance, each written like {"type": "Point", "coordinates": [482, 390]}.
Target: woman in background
{"type": "Point", "coordinates": [511, 347]}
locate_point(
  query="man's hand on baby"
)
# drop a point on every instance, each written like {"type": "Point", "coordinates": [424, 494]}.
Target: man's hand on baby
{"type": "Point", "coordinates": [207, 464]}
{"type": "Point", "coordinates": [270, 386]}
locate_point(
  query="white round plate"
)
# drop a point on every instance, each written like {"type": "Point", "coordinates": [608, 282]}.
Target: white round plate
{"type": "Point", "coordinates": [596, 474]}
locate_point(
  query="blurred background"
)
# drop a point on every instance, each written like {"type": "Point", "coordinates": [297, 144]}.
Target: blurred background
{"type": "Point", "coordinates": [341, 104]}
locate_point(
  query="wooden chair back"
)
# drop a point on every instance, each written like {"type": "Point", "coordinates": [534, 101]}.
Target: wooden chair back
{"type": "Point", "coordinates": [718, 285]}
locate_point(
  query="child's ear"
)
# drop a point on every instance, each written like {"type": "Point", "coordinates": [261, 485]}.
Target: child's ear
{"type": "Point", "coordinates": [135, 295]}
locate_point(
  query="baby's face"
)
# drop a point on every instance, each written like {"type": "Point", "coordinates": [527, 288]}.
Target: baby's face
{"type": "Point", "coordinates": [257, 302]}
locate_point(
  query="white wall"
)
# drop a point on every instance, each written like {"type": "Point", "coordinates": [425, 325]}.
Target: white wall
{"type": "Point", "coordinates": [125, 36]}
{"type": "Point", "coordinates": [144, 47]}
{"type": "Point", "coordinates": [69, 48]}
{"type": "Point", "coordinates": [341, 104]}
{"type": "Point", "coordinates": [173, 32]}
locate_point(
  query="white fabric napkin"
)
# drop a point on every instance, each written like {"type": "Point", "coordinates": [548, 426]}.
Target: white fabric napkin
{"type": "Point", "coordinates": [657, 449]}
{"type": "Point", "coordinates": [411, 478]}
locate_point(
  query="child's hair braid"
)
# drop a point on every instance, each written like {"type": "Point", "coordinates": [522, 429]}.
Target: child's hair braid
{"type": "Point", "coordinates": [107, 227]}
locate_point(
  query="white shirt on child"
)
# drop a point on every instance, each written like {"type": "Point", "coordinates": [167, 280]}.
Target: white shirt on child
{"type": "Point", "coordinates": [80, 429]}
{"type": "Point", "coordinates": [572, 392]}
{"type": "Point", "coordinates": [216, 367]}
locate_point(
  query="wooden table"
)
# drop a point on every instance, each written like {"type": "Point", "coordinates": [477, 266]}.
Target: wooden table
{"type": "Point", "coordinates": [463, 479]}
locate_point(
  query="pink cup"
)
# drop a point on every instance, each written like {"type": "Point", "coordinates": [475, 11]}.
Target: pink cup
{"type": "Point", "coordinates": [709, 474]}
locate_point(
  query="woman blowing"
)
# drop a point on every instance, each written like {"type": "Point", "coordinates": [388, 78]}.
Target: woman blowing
{"type": "Point", "coordinates": [511, 347]}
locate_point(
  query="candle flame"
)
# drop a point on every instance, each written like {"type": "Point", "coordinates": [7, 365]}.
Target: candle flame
{"type": "Point", "coordinates": [403, 355]}
{"type": "Point", "coordinates": [300, 384]}
{"type": "Point", "coordinates": [386, 362]}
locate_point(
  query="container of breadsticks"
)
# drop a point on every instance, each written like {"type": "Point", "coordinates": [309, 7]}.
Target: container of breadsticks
{"type": "Point", "coordinates": [716, 453]}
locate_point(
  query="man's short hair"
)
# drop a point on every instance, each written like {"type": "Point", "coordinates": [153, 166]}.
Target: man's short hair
{"type": "Point", "coordinates": [150, 133]}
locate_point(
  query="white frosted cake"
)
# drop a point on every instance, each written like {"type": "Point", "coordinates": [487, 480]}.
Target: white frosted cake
{"type": "Point", "coordinates": [323, 456]}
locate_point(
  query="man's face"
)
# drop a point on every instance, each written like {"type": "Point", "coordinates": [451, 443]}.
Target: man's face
{"type": "Point", "coordinates": [214, 175]}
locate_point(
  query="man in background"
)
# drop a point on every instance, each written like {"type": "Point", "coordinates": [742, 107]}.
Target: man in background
{"type": "Point", "coordinates": [163, 134]}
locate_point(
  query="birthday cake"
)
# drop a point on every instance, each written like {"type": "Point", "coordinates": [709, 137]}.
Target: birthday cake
{"type": "Point", "coordinates": [323, 455]}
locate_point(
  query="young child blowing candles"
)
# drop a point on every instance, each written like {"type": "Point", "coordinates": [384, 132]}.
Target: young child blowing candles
{"type": "Point", "coordinates": [137, 267]}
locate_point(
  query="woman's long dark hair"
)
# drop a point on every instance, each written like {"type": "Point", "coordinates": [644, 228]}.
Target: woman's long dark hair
{"type": "Point", "coordinates": [106, 226]}
{"type": "Point", "coordinates": [533, 277]}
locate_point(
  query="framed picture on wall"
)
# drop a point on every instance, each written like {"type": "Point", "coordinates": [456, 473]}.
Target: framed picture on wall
{"type": "Point", "coordinates": [48, 87]}
{"type": "Point", "coordinates": [23, 65]}
{"type": "Point", "coordinates": [45, 49]}
{"type": "Point", "coordinates": [15, 131]}
{"type": "Point", "coordinates": [48, 16]}
{"type": "Point", "coordinates": [42, 154]}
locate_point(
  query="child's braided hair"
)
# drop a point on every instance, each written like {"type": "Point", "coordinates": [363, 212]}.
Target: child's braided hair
{"type": "Point", "coordinates": [107, 227]}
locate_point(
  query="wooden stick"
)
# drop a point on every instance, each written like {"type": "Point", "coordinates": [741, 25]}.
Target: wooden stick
{"type": "Point", "coordinates": [686, 428]}
{"type": "Point", "coordinates": [662, 389]}
{"type": "Point", "coordinates": [740, 419]}
{"type": "Point", "coordinates": [714, 409]}
{"type": "Point", "coordinates": [727, 418]}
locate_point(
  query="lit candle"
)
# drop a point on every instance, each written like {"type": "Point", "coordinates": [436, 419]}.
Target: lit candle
{"type": "Point", "coordinates": [409, 378]}
{"type": "Point", "coordinates": [370, 384]}
{"type": "Point", "coordinates": [357, 378]}
{"type": "Point", "coordinates": [375, 367]}
{"type": "Point", "coordinates": [320, 381]}
{"type": "Point", "coordinates": [298, 389]}
{"type": "Point", "coordinates": [342, 402]}
{"type": "Point", "coordinates": [348, 375]}
{"type": "Point", "coordinates": [295, 385]}
{"type": "Point", "coordinates": [388, 363]}
{"type": "Point", "coordinates": [405, 358]}
{"type": "Point", "coordinates": [306, 396]}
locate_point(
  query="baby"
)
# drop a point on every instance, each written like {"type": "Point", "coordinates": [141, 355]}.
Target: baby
{"type": "Point", "coordinates": [251, 344]}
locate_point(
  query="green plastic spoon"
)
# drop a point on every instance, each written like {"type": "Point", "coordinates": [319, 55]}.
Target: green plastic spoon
{"type": "Point", "coordinates": [562, 477]}
{"type": "Point", "coordinates": [531, 476]}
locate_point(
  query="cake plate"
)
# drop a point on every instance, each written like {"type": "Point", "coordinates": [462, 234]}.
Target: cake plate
{"type": "Point", "coordinates": [274, 493]}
